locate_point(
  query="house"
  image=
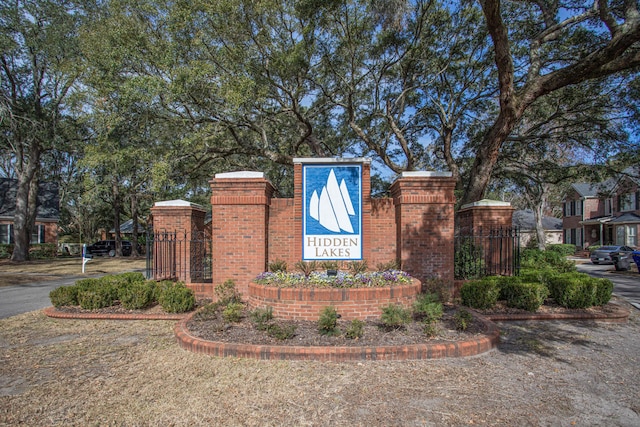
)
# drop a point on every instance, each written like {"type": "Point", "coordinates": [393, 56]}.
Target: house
{"type": "Point", "coordinates": [525, 221]}
{"type": "Point", "coordinates": [47, 213]}
{"type": "Point", "coordinates": [603, 213]}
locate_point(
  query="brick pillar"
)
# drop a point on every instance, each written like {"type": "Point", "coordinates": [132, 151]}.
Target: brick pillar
{"type": "Point", "coordinates": [490, 222]}
{"type": "Point", "coordinates": [424, 203]}
{"type": "Point", "coordinates": [177, 224]}
{"type": "Point", "coordinates": [239, 227]}
{"type": "Point", "coordinates": [485, 214]}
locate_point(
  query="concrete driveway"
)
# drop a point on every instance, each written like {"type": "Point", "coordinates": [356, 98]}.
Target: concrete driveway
{"type": "Point", "coordinates": [625, 284]}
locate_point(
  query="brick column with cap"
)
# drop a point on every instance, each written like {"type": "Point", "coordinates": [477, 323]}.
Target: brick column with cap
{"type": "Point", "coordinates": [178, 223]}
{"type": "Point", "coordinates": [239, 227]}
{"type": "Point", "coordinates": [424, 203]}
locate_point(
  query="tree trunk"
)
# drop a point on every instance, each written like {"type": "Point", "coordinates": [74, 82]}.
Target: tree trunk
{"type": "Point", "coordinates": [26, 205]}
{"type": "Point", "coordinates": [541, 236]}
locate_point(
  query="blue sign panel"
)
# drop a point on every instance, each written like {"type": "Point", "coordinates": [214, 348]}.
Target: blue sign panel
{"type": "Point", "coordinates": [332, 212]}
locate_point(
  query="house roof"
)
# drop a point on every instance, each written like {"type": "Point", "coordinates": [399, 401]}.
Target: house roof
{"type": "Point", "coordinates": [627, 218]}
{"type": "Point", "coordinates": [127, 227]}
{"type": "Point", "coordinates": [586, 189]}
{"type": "Point", "coordinates": [48, 207]}
{"type": "Point", "coordinates": [526, 221]}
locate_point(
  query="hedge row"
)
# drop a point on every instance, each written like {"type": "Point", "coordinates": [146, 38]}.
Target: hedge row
{"type": "Point", "coordinates": [131, 290]}
{"type": "Point", "coordinates": [533, 287]}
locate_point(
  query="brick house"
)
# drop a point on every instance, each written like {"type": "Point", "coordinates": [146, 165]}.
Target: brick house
{"type": "Point", "coordinates": [603, 213]}
{"type": "Point", "coordinates": [47, 214]}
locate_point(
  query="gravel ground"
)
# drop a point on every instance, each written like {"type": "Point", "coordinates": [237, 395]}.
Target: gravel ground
{"type": "Point", "coordinates": [132, 373]}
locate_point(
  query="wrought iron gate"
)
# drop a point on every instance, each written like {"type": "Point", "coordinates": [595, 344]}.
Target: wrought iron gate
{"type": "Point", "coordinates": [488, 252]}
{"type": "Point", "coordinates": [179, 256]}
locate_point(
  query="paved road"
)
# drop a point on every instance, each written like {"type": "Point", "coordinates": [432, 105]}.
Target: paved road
{"type": "Point", "coordinates": [625, 285]}
{"type": "Point", "coordinates": [29, 296]}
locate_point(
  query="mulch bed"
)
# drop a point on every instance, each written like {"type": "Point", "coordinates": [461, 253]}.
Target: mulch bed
{"type": "Point", "coordinates": [307, 334]}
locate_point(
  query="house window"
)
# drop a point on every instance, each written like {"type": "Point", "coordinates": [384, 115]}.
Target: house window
{"type": "Point", "coordinates": [37, 236]}
{"type": "Point", "coordinates": [620, 235]}
{"type": "Point", "coordinates": [579, 207]}
{"type": "Point", "coordinates": [631, 235]}
{"type": "Point", "coordinates": [6, 233]}
{"type": "Point", "coordinates": [608, 207]}
{"type": "Point", "coordinates": [627, 202]}
{"type": "Point", "coordinates": [579, 239]}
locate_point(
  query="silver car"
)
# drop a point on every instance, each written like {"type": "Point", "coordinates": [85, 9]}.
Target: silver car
{"type": "Point", "coordinates": [604, 254]}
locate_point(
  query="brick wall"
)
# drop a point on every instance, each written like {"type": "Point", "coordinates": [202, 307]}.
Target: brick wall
{"type": "Point", "coordinates": [308, 303]}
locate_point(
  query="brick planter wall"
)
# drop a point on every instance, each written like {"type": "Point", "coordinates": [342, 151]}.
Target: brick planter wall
{"type": "Point", "coordinates": [350, 303]}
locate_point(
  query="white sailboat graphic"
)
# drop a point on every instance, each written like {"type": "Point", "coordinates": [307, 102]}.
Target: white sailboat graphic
{"type": "Point", "coordinates": [333, 207]}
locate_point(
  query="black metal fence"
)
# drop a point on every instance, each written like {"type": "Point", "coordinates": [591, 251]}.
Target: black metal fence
{"type": "Point", "coordinates": [179, 256]}
{"type": "Point", "coordinates": [487, 252]}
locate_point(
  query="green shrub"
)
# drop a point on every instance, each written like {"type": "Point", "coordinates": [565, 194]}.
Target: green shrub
{"type": "Point", "coordinates": [278, 265]}
{"type": "Point", "coordinates": [604, 289]}
{"type": "Point", "coordinates": [430, 329]}
{"type": "Point", "coordinates": [260, 317]}
{"type": "Point", "coordinates": [160, 287]}
{"type": "Point", "coordinates": [281, 332]}
{"type": "Point", "coordinates": [527, 296]}
{"type": "Point", "coordinates": [226, 293]}
{"type": "Point", "coordinates": [233, 312]}
{"type": "Point", "coordinates": [307, 267]}
{"type": "Point", "coordinates": [136, 295]}
{"type": "Point", "coordinates": [481, 294]}
{"type": "Point", "coordinates": [177, 298]}
{"type": "Point", "coordinates": [328, 321]}
{"type": "Point", "coordinates": [535, 258]}
{"type": "Point", "coordinates": [132, 277]}
{"type": "Point", "coordinates": [390, 265]}
{"type": "Point", "coordinates": [64, 296]}
{"type": "Point", "coordinates": [578, 290]}
{"type": "Point", "coordinates": [395, 316]}
{"type": "Point", "coordinates": [563, 249]}
{"type": "Point", "coordinates": [358, 267]}
{"type": "Point", "coordinates": [355, 329]}
{"type": "Point", "coordinates": [6, 250]}
{"type": "Point", "coordinates": [462, 319]}
{"type": "Point", "coordinates": [96, 298]}
{"type": "Point", "coordinates": [43, 251]}
{"type": "Point", "coordinates": [427, 308]}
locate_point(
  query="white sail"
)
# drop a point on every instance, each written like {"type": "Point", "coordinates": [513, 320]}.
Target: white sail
{"type": "Point", "coordinates": [333, 207]}
{"type": "Point", "coordinates": [327, 215]}
{"type": "Point", "coordinates": [314, 206]}
{"type": "Point", "coordinates": [346, 198]}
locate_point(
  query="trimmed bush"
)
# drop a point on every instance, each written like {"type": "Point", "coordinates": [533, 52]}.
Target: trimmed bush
{"type": "Point", "coordinates": [97, 298]}
{"type": "Point", "coordinates": [427, 308]}
{"type": "Point", "coordinates": [233, 312]}
{"type": "Point", "coordinates": [177, 298]}
{"type": "Point", "coordinates": [64, 295]}
{"type": "Point", "coordinates": [481, 294]}
{"type": "Point", "coordinates": [136, 295]}
{"type": "Point", "coordinates": [564, 249]}
{"type": "Point", "coordinates": [355, 329]}
{"type": "Point", "coordinates": [328, 322]}
{"type": "Point", "coordinates": [226, 293]}
{"type": "Point", "coordinates": [527, 296]}
{"type": "Point", "coordinates": [604, 289]}
{"type": "Point", "coordinates": [579, 290]}
{"type": "Point", "coordinates": [395, 316]}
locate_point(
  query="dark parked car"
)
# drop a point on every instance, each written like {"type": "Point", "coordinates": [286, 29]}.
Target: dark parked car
{"type": "Point", "coordinates": [605, 254]}
{"type": "Point", "coordinates": [108, 247]}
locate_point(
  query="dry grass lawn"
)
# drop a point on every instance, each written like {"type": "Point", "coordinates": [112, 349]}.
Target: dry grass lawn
{"type": "Point", "coordinates": [58, 372]}
{"type": "Point", "coordinates": [13, 273]}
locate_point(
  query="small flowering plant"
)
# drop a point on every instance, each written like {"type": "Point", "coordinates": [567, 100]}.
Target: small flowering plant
{"type": "Point", "coordinates": [318, 279]}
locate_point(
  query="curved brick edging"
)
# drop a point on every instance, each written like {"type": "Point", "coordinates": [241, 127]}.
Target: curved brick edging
{"type": "Point", "coordinates": [350, 303]}
{"type": "Point", "coordinates": [466, 348]}
{"type": "Point", "coordinates": [619, 315]}
{"type": "Point", "coordinates": [55, 313]}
